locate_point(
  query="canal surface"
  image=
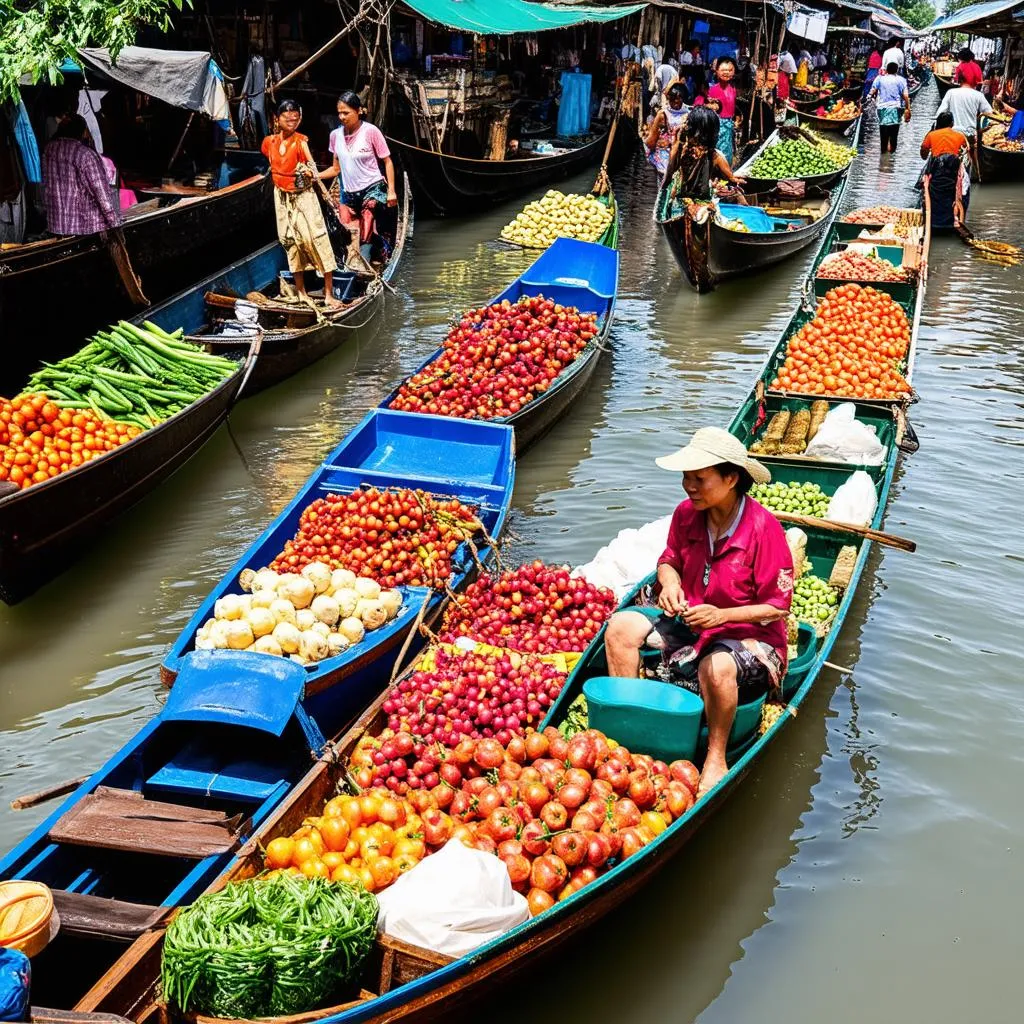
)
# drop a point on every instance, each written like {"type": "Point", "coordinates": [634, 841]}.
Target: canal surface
{"type": "Point", "coordinates": [870, 867]}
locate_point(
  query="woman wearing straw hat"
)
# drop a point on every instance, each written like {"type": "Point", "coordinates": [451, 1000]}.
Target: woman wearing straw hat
{"type": "Point", "coordinates": [725, 584]}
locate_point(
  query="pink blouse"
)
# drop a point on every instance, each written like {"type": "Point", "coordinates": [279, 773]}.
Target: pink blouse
{"type": "Point", "coordinates": [751, 566]}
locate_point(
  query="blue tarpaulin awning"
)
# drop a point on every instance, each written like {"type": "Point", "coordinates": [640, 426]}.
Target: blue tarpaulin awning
{"type": "Point", "coordinates": [505, 17]}
{"type": "Point", "coordinates": [968, 16]}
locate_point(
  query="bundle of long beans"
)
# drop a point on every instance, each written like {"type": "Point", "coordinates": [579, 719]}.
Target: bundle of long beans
{"type": "Point", "coordinates": [139, 375]}
{"type": "Point", "coordinates": [267, 947]}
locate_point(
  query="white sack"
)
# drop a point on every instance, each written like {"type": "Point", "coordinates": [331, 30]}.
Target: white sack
{"type": "Point", "coordinates": [843, 438]}
{"type": "Point", "coordinates": [452, 901]}
{"type": "Point", "coordinates": [855, 501]}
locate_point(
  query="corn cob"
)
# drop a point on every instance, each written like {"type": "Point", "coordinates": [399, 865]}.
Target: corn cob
{"type": "Point", "coordinates": [795, 439]}
{"type": "Point", "coordinates": [819, 410]}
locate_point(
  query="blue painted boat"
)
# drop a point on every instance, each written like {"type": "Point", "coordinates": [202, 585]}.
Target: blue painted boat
{"type": "Point", "coordinates": [167, 813]}
{"type": "Point", "coordinates": [573, 273]}
{"type": "Point", "coordinates": [471, 461]}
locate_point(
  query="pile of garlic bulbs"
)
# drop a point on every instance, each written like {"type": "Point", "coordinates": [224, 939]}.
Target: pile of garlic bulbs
{"type": "Point", "coordinates": [308, 616]}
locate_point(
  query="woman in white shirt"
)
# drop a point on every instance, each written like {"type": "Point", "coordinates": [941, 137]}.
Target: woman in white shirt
{"type": "Point", "coordinates": [360, 151]}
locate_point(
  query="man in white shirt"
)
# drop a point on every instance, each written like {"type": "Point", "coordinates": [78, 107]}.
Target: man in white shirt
{"type": "Point", "coordinates": [965, 103]}
{"type": "Point", "coordinates": [786, 62]}
{"type": "Point", "coordinates": [894, 55]}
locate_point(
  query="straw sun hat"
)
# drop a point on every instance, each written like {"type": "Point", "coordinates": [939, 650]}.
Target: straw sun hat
{"type": "Point", "coordinates": [711, 446]}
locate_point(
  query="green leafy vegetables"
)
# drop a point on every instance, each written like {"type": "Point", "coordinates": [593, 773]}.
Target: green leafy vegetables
{"type": "Point", "coordinates": [267, 947]}
{"type": "Point", "coordinates": [139, 375]}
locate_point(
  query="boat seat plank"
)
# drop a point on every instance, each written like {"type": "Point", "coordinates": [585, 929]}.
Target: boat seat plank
{"type": "Point", "coordinates": [44, 1015]}
{"type": "Point", "coordinates": [119, 819]}
{"type": "Point", "coordinates": [103, 918]}
{"type": "Point", "coordinates": [197, 770]}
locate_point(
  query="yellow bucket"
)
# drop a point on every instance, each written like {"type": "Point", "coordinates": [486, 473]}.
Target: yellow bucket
{"type": "Point", "coordinates": [28, 918]}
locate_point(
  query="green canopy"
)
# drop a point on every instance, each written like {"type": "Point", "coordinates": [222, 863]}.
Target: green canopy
{"type": "Point", "coordinates": [503, 17]}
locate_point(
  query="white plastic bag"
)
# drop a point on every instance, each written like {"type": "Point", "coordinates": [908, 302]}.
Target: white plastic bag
{"type": "Point", "coordinates": [843, 438]}
{"type": "Point", "coordinates": [628, 558]}
{"type": "Point", "coordinates": [452, 901]}
{"type": "Point", "coordinates": [855, 501]}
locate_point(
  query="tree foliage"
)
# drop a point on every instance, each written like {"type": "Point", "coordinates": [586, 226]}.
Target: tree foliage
{"type": "Point", "coordinates": [37, 36]}
{"type": "Point", "coordinates": [918, 13]}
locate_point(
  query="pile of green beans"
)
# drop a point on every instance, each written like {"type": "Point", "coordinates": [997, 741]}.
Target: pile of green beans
{"type": "Point", "coordinates": [267, 947]}
{"type": "Point", "coordinates": [139, 375]}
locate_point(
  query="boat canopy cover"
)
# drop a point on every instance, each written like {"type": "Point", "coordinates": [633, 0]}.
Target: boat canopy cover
{"type": "Point", "coordinates": [189, 79]}
{"type": "Point", "coordinates": [972, 15]}
{"type": "Point", "coordinates": [257, 691]}
{"type": "Point", "coordinates": [505, 17]}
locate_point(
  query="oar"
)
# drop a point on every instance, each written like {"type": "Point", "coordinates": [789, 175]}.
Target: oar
{"type": "Point", "coordinates": [601, 183]}
{"type": "Point", "coordinates": [60, 789]}
{"type": "Point", "coordinates": [878, 536]}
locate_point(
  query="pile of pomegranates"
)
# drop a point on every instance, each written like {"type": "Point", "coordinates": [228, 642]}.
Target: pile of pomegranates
{"type": "Point", "coordinates": [498, 358]}
{"type": "Point", "coordinates": [536, 608]}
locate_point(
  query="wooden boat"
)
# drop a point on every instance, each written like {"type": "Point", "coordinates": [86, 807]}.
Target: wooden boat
{"type": "Point", "coordinates": [166, 814]}
{"type": "Point", "coordinates": [472, 461]}
{"type": "Point", "coordinates": [815, 181]}
{"type": "Point", "coordinates": [169, 241]}
{"type": "Point", "coordinates": [998, 164]}
{"type": "Point", "coordinates": [574, 273]}
{"type": "Point", "coordinates": [449, 185]}
{"type": "Point", "coordinates": [914, 87]}
{"type": "Point", "coordinates": [943, 82]}
{"type": "Point", "coordinates": [711, 252]}
{"type": "Point", "coordinates": [43, 528]}
{"type": "Point", "coordinates": [293, 336]}
{"type": "Point", "coordinates": [833, 125]}
{"type": "Point", "coordinates": [405, 982]}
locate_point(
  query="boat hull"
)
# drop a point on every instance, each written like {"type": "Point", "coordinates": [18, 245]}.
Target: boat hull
{"type": "Point", "coordinates": [708, 254]}
{"type": "Point", "coordinates": [450, 185]}
{"type": "Point", "coordinates": [1000, 165]}
{"type": "Point", "coordinates": [283, 353]}
{"type": "Point", "coordinates": [42, 282]}
{"type": "Point", "coordinates": [44, 527]}
{"type": "Point", "coordinates": [943, 84]}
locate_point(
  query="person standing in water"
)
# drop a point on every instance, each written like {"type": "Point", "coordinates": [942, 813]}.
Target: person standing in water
{"type": "Point", "coordinates": [300, 222]}
{"type": "Point", "coordinates": [891, 97]}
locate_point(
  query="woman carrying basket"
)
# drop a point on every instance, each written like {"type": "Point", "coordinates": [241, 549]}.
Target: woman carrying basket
{"type": "Point", "coordinates": [300, 222]}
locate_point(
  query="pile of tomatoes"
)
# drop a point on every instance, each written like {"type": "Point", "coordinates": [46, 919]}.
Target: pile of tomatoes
{"type": "Point", "coordinates": [396, 536]}
{"type": "Point", "coordinates": [557, 812]}
{"type": "Point", "coordinates": [851, 348]}
{"type": "Point", "coordinates": [40, 440]}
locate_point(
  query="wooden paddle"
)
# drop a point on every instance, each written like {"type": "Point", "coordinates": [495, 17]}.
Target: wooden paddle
{"type": "Point", "coordinates": [60, 789]}
{"type": "Point", "coordinates": [122, 261]}
{"type": "Point", "coordinates": [878, 536]}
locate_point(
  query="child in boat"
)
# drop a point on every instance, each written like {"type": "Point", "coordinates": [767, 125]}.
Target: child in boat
{"type": "Point", "coordinates": [725, 585]}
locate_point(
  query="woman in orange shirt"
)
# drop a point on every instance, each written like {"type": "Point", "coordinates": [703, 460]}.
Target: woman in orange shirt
{"type": "Point", "coordinates": [943, 138]}
{"type": "Point", "coordinates": [300, 222]}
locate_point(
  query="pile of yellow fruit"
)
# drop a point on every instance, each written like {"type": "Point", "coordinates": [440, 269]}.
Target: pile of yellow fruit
{"type": "Point", "coordinates": [557, 215]}
{"type": "Point", "coordinates": [843, 111]}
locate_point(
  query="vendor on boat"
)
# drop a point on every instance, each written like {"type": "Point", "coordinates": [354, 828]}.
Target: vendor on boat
{"type": "Point", "coordinates": [79, 199]}
{"type": "Point", "coordinates": [693, 160]}
{"type": "Point", "coordinates": [725, 92]}
{"type": "Point", "coordinates": [666, 125]}
{"type": "Point", "coordinates": [724, 589]}
{"type": "Point", "coordinates": [360, 152]}
{"type": "Point", "coordinates": [300, 223]}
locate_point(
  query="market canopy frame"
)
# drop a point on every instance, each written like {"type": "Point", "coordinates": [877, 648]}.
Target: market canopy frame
{"type": "Point", "coordinates": [508, 17]}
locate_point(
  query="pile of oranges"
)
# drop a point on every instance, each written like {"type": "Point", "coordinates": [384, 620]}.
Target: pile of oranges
{"type": "Point", "coordinates": [39, 439]}
{"type": "Point", "coordinates": [851, 349]}
{"type": "Point", "coordinates": [366, 840]}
